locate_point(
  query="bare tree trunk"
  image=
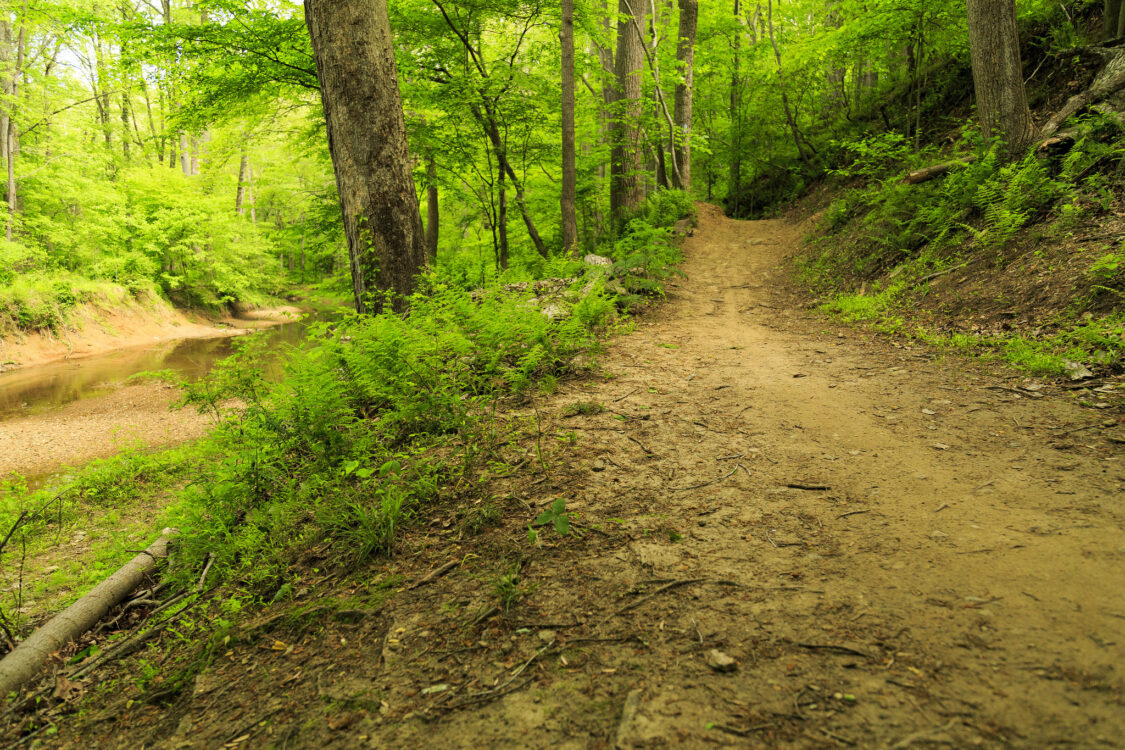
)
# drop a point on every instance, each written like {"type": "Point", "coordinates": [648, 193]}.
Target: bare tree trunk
{"type": "Point", "coordinates": [784, 94]}
{"type": "Point", "coordinates": [627, 154]}
{"type": "Point", "coordinates": [998, 73]}
{"type": "Point", "coordinates": [734, 189]}
{"type": "Point", "coordinates": [433, 212]}
{"type": "Point", "coordinates": [12, 139]}
{"type": "Point", "coordinates": [250, 194]}
{"type": "Point", "coordinates": [185, 154]}
{"type": "Point", "coordinates": [502, 251]}
{"type": "Point", "coordinates": [355, 63]}
{"type": "Point", "coordinates": [569, 176]}
{"type": "Point", "coordinates": [685, 56]}
{"type": "Point", "coordinates": [1111, 19]}
{"type": "Point", "coordinates": [240, 196]}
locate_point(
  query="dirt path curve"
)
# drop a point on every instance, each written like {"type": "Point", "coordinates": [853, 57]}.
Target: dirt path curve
{"type": "Point", "coordinates": [957, 583]}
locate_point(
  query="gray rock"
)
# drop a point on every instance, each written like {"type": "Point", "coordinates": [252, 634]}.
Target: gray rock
{"type": "Point", "coordinates": [720, 662]}
{"type": "Point", "coordinates": [1076, 370]}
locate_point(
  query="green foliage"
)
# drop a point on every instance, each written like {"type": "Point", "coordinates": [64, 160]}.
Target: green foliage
{"type": "Point", "coordinates": [555, 516]}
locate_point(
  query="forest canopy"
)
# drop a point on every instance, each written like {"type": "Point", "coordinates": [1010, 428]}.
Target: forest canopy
{"type": "Point", "coordinates": [177, 149]}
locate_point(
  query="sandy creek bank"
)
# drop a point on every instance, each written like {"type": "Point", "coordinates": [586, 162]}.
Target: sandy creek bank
{"type": "Point", "coordinates": [71, 402]}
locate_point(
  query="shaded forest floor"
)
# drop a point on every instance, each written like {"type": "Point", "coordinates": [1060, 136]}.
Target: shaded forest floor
{"type": "Point", "coordinates": [792, 535]}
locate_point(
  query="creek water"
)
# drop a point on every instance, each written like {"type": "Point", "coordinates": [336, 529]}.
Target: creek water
{"type": "Point", "coordinates": [41, 389]}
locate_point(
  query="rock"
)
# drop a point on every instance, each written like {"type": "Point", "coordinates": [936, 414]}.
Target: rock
{"type": "Point", "coordinates": [940, 446]}
{"type": "Point", "coordinates": [683, 227]}
{"type": "Point", "coordinates": [720, 662]}
{"type": "Point", "coordinates": [554, 311]}
{"type": "Point", "coordinates": [597, 465]}
{"type": "Point", "coordinates": [1076, 370]}
{"type": "Point", "coordinates": [597, 260]}
{"type": "Point", "coordinates": [547, 636]}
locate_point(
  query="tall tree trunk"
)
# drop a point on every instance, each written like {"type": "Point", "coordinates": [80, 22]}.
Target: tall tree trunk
{"type": "Point", "coordinates": [627, 155]}
{"type": "Point", "coordinates": [1111, 19]}
{"type": "Point", "coordinates": [240, 195]}
{"type": "Point", "coordinates": [685, 56]}
{"type": "Point", "coordinates": [998, 73]}
{"type": "Point", "coordinates": [488, 121]}
{"type": "Point", "coordinates": [569, 175]}
{"type": "Point", "coordinates": [250, 194]}
{"type": "Point", "coordinates": [501, 219]}
{"type": "Point", "coordinates": [355, 63]}
{"type": "Point", "coordinates": [185, 154]}
{"type": "Point", "coordinates": [784, 94]}
{"type": "Point", "coordinates": [433, 212]}
{"type": "Point", "coordinates": [12, 140]}
{"type": "Point", "coordinates": [734, 189]}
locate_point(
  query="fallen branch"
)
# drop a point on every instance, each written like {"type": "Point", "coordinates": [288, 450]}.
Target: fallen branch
{"type": "Point", "coordinates": [935, 275]}
{"type": "Point", "coordinates": [661, 590]}
{"type": "Point", "coordinates": [919, 176]}
{"type": "Point", "coordinates": [26, 659]}
{"type": "Point", "coordinates": [705, 484]}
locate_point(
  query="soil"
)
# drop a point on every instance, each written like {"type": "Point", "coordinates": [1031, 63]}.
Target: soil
{"type": "Point", "coordinates": [790, 534]}
{"type": "Point", "coordinates": [97, 427]}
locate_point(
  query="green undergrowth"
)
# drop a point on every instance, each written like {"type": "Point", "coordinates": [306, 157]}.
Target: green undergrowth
{"type": "Point", "coordinates": [374, 419]}
{"type": "Point", "coordinates": [890, 239]}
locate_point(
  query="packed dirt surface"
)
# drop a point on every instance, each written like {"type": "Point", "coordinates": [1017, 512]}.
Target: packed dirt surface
{"type": "Point", "coordinates": [789, 534]}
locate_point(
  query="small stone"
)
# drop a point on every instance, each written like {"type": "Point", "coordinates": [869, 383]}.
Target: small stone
{"type": "Point", "coordinates": [597, 465]}
{"type": "Point", "coordinates": [937, 536]}
{"type": "Point", "coordinates": [547, 636]}
{"type": "Point", "coordinates": [940, 446]}
{"type": "Point", "coordinates": [1076, 370]}
{"type": "Point", "coordinates": [720, 662]}
{"type": "Point", "coordinates": [929, 412]}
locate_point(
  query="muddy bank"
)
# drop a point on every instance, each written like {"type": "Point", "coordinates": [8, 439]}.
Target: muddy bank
{"type": "Point", "coordinates": [97, 331]}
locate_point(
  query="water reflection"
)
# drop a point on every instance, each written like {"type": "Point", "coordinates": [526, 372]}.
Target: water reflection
{"type": "Point", "coordinates": [47, 387]}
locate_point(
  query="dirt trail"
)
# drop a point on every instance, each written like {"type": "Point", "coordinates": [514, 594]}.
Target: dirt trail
{"type": "Point", "coordinates": [957, 584]}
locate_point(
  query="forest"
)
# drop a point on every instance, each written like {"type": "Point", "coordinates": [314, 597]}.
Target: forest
{"type": "Point", "coordinates": [743, 373]}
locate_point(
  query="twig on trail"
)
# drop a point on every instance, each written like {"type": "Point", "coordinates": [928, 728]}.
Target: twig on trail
{"type": "Point", "coordinates": [930, 277]}
{"type": "Point", "coordinates": [501, 690]}
{"type": "Point", "coordinates": [852, 513]}
{"type": "Point", "coordinates": [485, 615]}
{"type": "Point", "coordinates": [1017, 391]}
{"type": "Point", "coordinates": [808, 486]}
{"type": "Point", "coordinates": [771, 539]}
{"type": "Point", "coordinates": [705, 484]}
{"type": "Point", "coordinates": [925, 734]}
{"type": "Point", "coordinates": [666, 587]}
{"type": "Point", "coordinates": [833, 649]}
{"type": "Point", "coordinates": [837, 737]}
{"type": "Point", "coordinates": [638, 442]}
{"type": "Point", "coordinates": [730, 458]}
{"type": "Point", "coordinates": [627, 395]}
{"type": "Point", "coordinates": [943, 507]}
{"type": "Point", "coordinates": [433, 575]}
{"type": "Point", "coordinates": [751, 406]}
{"type": "Point", "coordinates": [747, 732]}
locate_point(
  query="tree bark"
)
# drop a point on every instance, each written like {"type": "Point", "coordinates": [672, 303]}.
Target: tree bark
{"type": "Point", "coordinates": [1111, 19]}
{"type": "Point", "coordinates": [734, 189]}
{"type": "Point", "coordinates": [784, 94]}
{"type": "Point", "coordinates": [355, 64]}
{"type": "Point", "coordinates": [998, 73]}
{"type": "Point", "coordinates": [433, 211]}
{"type": "Point", "coordinates": [627, 153]}
{"type": "Point", "coordinates": [240, 196]}
{"type": "Point", "coordinates": [685, 56]}
{"type": "Point", "coordinates": [569, 175]}
{"type": "Point", "coordinates": [12, 136]}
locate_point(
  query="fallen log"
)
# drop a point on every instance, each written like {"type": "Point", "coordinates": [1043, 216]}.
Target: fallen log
{"type": "Point", "coordinates": [30, 655]}
{"type": "Point", "coordinates": [919, 176]}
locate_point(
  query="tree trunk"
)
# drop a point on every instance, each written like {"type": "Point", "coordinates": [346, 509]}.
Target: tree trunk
{"type": "Point", "coordinates": [240, 196]}
{"type": "Point", "coordinates": [734, 189]}
{"type": "Point", "coordinates": [433, 212]}
{"type": "Point", "coordinates": [355, 63]}
{"type": "Point", "coordinates": [998, 74]}
{"type": "Point", "coordinates": [569, 176]}
{"type": "Point", "coordinates": [185, 154]}
{"type": "Point", "coordinates": [502, 251]}
{"type": "Point", "coordinates": [685, 56]}
{"type": "Point", "coordinates": [1111, 19]}
{"type": "Point", "coordinates": [627, 155]}
{"type": "Point", "coordinates": [784, 94]}
{"type": "Point", "coordinates": [13, 137]}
